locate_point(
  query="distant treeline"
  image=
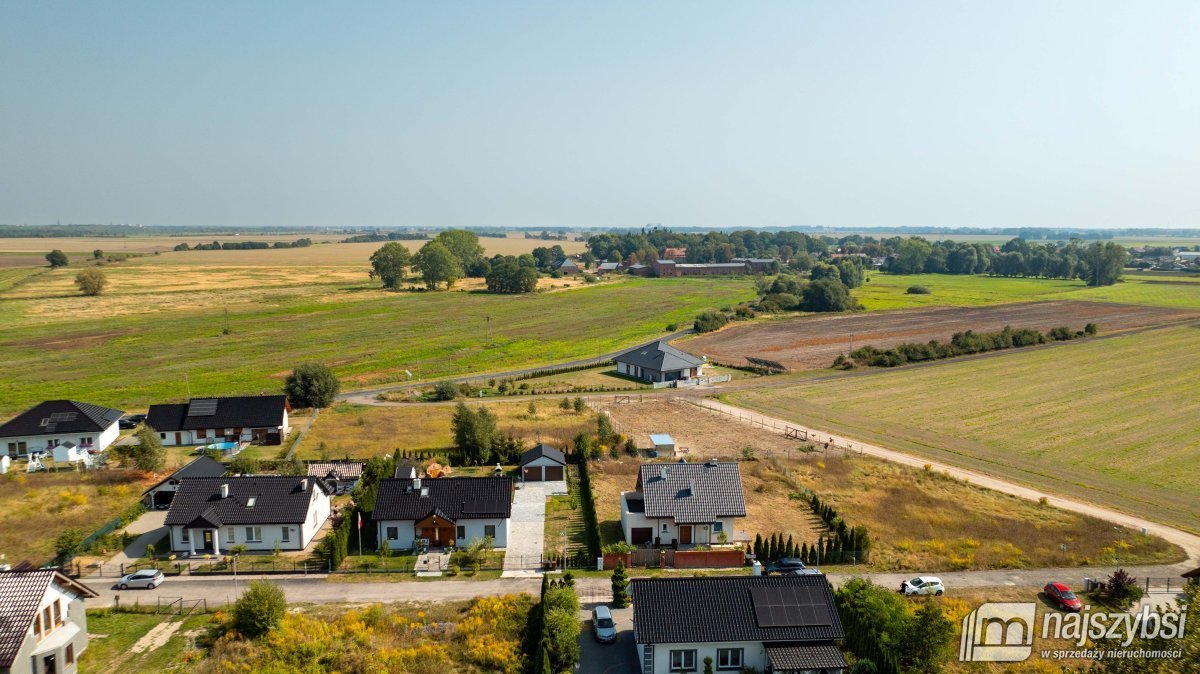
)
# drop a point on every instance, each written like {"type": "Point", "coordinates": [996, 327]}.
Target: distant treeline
{"type": "Point", "coordinates": [246, 245]}
{"type": "Point", "coordinates": [122, 231]}
{"type": "Point", "coordinates": [961, 344]}
{"type": "Point", "coordinates": [390, 236]}
{"type": "Point", "coordinates": [646, 245]}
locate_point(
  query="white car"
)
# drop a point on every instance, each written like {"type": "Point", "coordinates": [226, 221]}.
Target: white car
{"type": "Point", "coordinates": [923, 585]}
{"type": "Point", "coordinates": [147, 578]}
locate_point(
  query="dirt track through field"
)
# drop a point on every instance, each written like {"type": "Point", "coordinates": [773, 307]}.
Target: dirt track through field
{"type": "Point", "coordinates": [814, 341]}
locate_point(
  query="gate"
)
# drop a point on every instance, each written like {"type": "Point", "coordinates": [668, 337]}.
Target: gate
{"type": "Point", "coordinates": [795, 433]}
{"type": "Point", "coordinates": [645, 557]}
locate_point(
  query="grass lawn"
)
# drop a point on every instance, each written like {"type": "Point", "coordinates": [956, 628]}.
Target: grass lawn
{"type": "Point", "coordinates": [114, 637]}
{"type": "Point", "coordinates": [1114, 420]}
{"type": "Point", "coordinates": [159, 322]}
{"type": "Point", "coordinates": [362, 431]}
{"type": "Point", "coordinates": [917, 520]}
{"type": "Point", "coordinates": [564, 524]}
{"type": "Point", "coordinates": [887, 291]}
{"type": "Point", "coordinates": [38, 507]}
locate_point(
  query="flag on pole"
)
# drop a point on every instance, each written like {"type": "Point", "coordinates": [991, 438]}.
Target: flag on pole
{"type": "Point", "coordinates": [360, 520]}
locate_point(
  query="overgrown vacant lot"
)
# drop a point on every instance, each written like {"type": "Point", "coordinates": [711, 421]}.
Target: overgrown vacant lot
{"type": "Point", "coordinates": [39, 506]}
{"type": "Point", "coordinates": [918, 520]}
{"type": "Point", "coordinates": [1115, 421]}
{"type": "Point", "coordinates": [116, 644]}
{"type": "Point", "coordinates": [362, 431]}
{"type": "Point", "coordinates": [813, 341]}
{"type": "Point", "coordinates": [368, 336]}
{"type": "Point", "coordinates": [887, 291]}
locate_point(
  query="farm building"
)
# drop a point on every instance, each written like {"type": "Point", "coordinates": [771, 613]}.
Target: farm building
{"type": "Point", "coordinates": [340, 476]}
{"type": "Point", "coordinates": [666, 268]}
{"type": "Point", "coordinates": [442, 512]}
{"type": "Point", "coordinates": [758, 265]}
{"type": "Point", "coordinates": [659, 362]}
{"type": "Point", "coordinates": [543, 464]}
{"type": "Point", "coordinates": [608, 267]}
{"type": "Point", "coordinates": [778, 624]}
{"type": "Point", "coordinates": [259, 419]}
{"type": "Point", "coordinates": [683, 504]}
{"type": "Point", "coordinates": [568, 266]}
{"type": "Point", "coordinates": [675, 254]}
{"type": "Point", "coordinates": [58, 422]}
{"type": "Point", "coordinates": [161, 494]}
{"type": "Point", "coordinates": [258, 511]}
{"type": "Point", "coordinates": [43, 624]}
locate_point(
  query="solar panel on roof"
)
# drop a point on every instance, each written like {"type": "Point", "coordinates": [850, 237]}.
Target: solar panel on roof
{"type": "Point", "coordinates": [63, 416]}
{"type": "Point", "coordinates": [202, 408]}
{"type": "Point", "coordinates": [789, 606]}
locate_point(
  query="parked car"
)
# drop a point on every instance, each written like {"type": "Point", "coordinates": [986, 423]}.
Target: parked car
{"type": "Point", "coordinates": [147, 578]}
{"type": "Point", "coordinates": [789, 567]}
{"type": "Point", "coordinates": [603, 626]}
{"type": "Point", "coordinates": [923, 585]}
{"type": "Point", "coordinates": [1061, 596]}
{"type": "Point", "coordinates": [131, 420]}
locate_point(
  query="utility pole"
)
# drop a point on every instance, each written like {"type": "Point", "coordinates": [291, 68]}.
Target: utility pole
{"type": "Point", "coordinates": [851, 345]}
{"type": "Point", "coordinates": [188, 385]}
{"type": "Point", "coordinates": [489, 329]}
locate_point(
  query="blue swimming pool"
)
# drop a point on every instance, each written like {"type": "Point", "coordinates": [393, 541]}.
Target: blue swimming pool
{"type": "Point", "coordinates": [223, 446]}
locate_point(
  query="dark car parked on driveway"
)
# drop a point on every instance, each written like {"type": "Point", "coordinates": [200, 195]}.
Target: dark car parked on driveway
{"type": "Point", "coordinates": [789, 566]}
{"type": "Point", "coordinates": [131, 420]}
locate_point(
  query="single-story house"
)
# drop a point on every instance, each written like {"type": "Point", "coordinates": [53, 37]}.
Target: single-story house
{"type": "Point", "coordinates": [771, 624]}
{"type": "Point", "coordinates": [54, 422]}
{"type": "Point", "coordinates": [659, 361]}
{"type": "Point", "coordinates": [161, 494]}
{"type": "Point", "coordinates": [543, 464]}
{"type": "Point", "coordinates": [568, 266]}
{"type": "Point", "coordinates": [43, 625]}
{"type": "Point", "coordinates": [258, 511]}
{"type": "Point", "coordinates": [446, 511]}
{"type": "Point", "coordinates": [341, 476]}
{"type": "Point", "coordinates": [259, 419]}
{"type": "Point", "coordinates": [683, 504]}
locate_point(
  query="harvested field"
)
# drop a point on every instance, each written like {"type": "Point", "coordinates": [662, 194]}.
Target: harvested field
{"type": "Point", "coordinates": [919, 520]}
{"type": "Point", "coordinates": [814, 341]}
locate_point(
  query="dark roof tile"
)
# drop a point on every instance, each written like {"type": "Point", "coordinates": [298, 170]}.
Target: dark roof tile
{"type": "Point", "coordinates": [659, 356]}
{"type": "Point", "coordinates": [278, 499]}
{"type": "Point", "coordinates": [60, 416]}
{"type": "Point", "coordinates": [542, 450]}
{"type": "Point", "coordinates": [21, 593]}
{"type": "Point", "coordinates": [717, 491]}
{"type": "Point", "coordinates": [456, 498]}
{"type": "Point", "coordinates": [232, 412]}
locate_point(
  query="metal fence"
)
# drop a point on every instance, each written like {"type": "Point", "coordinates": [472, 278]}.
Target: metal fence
{"type": "Point", "coordinates": [818, 440]}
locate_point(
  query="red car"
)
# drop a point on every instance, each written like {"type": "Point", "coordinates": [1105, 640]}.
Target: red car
{"type": "Point", "coordinates": [1061, 596]}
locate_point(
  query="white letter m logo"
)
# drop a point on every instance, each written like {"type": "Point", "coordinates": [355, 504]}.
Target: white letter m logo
{"type": "Point", "coordinates": [998, 632]}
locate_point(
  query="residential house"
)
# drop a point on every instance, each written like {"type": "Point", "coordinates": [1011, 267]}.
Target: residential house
{"type": "Point", "coordinates": [772, 624]}
{"type": "Point", "coordinates": [543, 464]}
{"type": "Point", "coordinates": [659, 361]}
{"type": "Point", "coordinates": [56, 422]}
{"type": "Point", "coordinates": [43, 626]}
{"type": "Point", "coordinates": [408, 470]}
{"type": "Point", "coordinates": [340, 476]}
{"type": "Point", "coordinates": [212, 514]}
{"type": "Point", "coordinates": [444, 512]}
{"type": "Point", "coordinates": [682, 504]}
{"type": "Point", "coordinates": [160, 495]}
{"type": "Point", "coordinates": [675, 254]}
{"type": "Point", "coordinates": [258, 419]}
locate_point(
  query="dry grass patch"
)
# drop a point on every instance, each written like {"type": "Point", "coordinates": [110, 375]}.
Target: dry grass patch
{"type": "Point", "coordinates": [38, 507]}
{"type": "Point", "coordinates": [361, 431]}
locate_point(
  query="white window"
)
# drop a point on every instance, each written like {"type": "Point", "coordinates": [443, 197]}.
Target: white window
{"type": "Point", "coordinates": [729, 658]}
{"type": "Point", "coordinates": [489, 530]}
{"type": "Point", "coordinates": [683, 661]}
{"type": "Point", "coordinates": [254, 534]}
{"type": "Point", "coordinates": [286, 538]}
{"type": "Point", "coordinates": [187, 536]}
{"type": "Point", "coordinates": [232, 535]}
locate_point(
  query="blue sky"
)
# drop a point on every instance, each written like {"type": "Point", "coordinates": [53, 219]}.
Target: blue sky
{"type": "Point", "coordinates": [1070, 114]}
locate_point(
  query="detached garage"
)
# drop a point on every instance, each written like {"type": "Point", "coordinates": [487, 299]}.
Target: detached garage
{"type": "Point", "coordinates": [162, 494]}
{"type": "Point", "coordinates": [543, 464]}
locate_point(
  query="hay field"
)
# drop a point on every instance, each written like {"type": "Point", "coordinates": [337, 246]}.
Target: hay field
{"type": "Point", "coordinates": [1115, 421]}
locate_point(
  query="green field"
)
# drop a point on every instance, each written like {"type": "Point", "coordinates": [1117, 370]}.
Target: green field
{"type": "Point", "coordinates": [887, 291]}
{"type": "Point", "coordinates": [1115, 421]}
{"type": "Point", "coordinates": [134, 346]}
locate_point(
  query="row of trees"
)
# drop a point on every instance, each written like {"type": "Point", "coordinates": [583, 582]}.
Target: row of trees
{"type": "Point", "coordinates": [245, 245]}
{"type": "Point", "coordinates": [455, 254]}
{"type": "Point", "coordinates": [961, 343]}
{"type": "Point", "coordinates": [552, 633]}
{"type": "Point", "coordinates": [644, 246]}
{"type": "Point", "coordinates": [881, 629]}
{"type": "Point", "coordinates": [1097, 263]}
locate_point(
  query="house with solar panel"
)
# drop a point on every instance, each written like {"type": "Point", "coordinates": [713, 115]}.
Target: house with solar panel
{"type": "Point", "coordinates": [443, 512]}
{"type": "Point", "coordinates": [259, 419]}
{"type": "Point", "coordinates": [773, 624]}
{"type": "Point", "coordinates": [683, 504]}
{"type": "Point", "coordinates": [43, 627]}
{"type": "Point", "coordinates": [659, 362]}
{"type": "Point", "coordinates": [75, 426]}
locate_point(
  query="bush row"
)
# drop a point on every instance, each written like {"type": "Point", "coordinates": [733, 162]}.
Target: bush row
{"type": "Point", "coordinates": [962, 343]}
{"type": "Point", "coordinates": [587, 501]}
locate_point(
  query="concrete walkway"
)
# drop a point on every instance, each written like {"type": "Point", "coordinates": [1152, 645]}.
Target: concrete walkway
{"type": "Point", "coordinates": [150, 527]}
{"type": "Point", "coordinates": [527, 530]}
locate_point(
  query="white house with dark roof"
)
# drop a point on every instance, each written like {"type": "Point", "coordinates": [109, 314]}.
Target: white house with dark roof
{"type": "Point", "coordinates": [60, 422]}
{"type": "Point", "coordinates": [773, 624]}
{"type": "Point", "coordinates": [543, 464]}
{"type": "Point", "coordinates": [43, 626]}
{"type": "Point", "coordinates": [212, 514]}
{"type": "Point", "coordinates": [161, 494]}
{"type": "Point", "coordinates": [682, 504]}
{"type": "Point", "coordinates": [444, 511]}
{"type": "Point", "coordinates": [259, 419]}
{"type": "Point", "coordinates": [659, 361]}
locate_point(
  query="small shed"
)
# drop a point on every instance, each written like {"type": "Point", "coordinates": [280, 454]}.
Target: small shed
{"type": "Point", "coordinates": [663, 444]}
{"type": "Point", "coordinates": [4, 463]}
{"type": "Point", "coordinates": [69, 452]}
{"type": "Point", "coordinates": [543, 464]}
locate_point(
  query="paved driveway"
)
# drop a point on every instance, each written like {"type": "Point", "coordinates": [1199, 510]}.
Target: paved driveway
{"type": "Point", "coordinates": [150, 527]}
{"type": "Point", "coordinates": [618, 657]}
{"type": "Point", "coordinates": [527, 528]}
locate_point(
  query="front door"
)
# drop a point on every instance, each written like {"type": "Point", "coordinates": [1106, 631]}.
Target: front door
{"type": "Point", "coordinates": [208, 541]}
{"type": "Point", "coordinates": [685, 534]}
{"type": "Point", "coordinates": [178, 438]}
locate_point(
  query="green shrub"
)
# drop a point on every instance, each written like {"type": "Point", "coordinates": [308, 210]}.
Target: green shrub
{"type": "Point", "coordinates": [259, 610]}
{"type": "Point", "coordinates": [709, 321]}
{"type": "Point", "coordinates": [918, 290]}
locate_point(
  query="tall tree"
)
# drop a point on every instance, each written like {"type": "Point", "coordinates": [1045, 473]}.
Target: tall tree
{"type": "Point", "coordinates": [389, 263]}
{"type": "Point", "coordinates": [91, 281]}
{"type": "Point", "coordinates": [149, 455]}
{"type": "Point", "coordinates": [437, 265]}
{"type": "Point", "coordinates": [311, 385]}
{"type": "Point", "coordinates": [462, 244]}
{"type": "Point", "coordinates": [57, 259]}
{"type": "Point", "coordinates": [1104, 263]}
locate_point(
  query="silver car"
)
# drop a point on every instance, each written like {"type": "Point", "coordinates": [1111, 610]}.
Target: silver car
{"type": "Point", "coordinates": [603, 625]}
{"type": "Point", "coordinates": [147, 578]}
